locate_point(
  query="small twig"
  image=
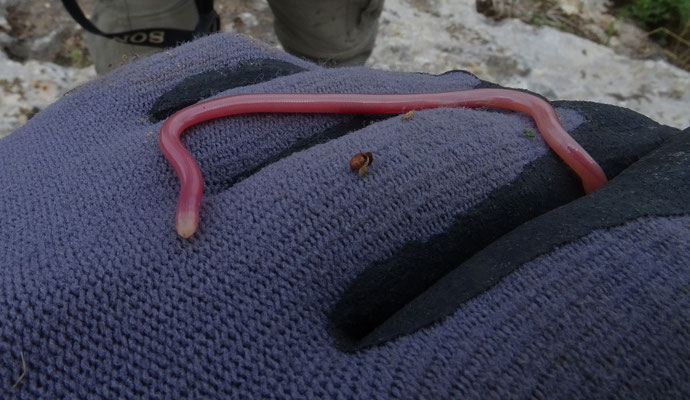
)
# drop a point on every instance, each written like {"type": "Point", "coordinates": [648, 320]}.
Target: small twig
{"type": "Point", "coordinates": [685, 30]}
{"type": "Point", "coordinates": [668, 53]}
{"type": "Point", "coordinates": [21, 376]}
{"type": "Point", "coordinates": [670, 33]}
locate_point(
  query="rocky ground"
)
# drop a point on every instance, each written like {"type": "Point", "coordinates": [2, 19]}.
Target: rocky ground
{"type": "Point", "coordinates": [563, 49]}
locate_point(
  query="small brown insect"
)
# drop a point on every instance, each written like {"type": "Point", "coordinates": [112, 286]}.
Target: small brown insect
{"type": "Point", "coordinates": [408, 114]}
{"type": "Point", "coordinates": [360, 162]}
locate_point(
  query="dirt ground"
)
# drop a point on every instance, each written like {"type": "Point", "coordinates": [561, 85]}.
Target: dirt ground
{"type": "Point", "coordinates": [42, 30]}
{"type": "Point", "coordinates": [515, 43]}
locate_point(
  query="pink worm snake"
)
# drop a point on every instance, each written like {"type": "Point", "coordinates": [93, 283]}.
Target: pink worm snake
{"type": "Point", "coordinates": [191, 182]}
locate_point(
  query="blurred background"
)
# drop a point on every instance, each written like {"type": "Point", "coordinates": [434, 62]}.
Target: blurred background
{"type": "Point", "coordinates": [634, 53]}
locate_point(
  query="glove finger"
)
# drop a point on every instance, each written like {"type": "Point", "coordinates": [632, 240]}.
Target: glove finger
{"type": "Point", "coordinates": [630, 239]}
{"type": "Point", "coordinates": [615, 137]}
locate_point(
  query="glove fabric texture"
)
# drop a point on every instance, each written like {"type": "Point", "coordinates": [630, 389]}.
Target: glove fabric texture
{"type": "Point", "coordinates": [466, 264]}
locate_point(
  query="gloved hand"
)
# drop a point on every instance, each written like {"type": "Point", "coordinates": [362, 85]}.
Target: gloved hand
{"type": "Point", "coordinates": [465, 264]}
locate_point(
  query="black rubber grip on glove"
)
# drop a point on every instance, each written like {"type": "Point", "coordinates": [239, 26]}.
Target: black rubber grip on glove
{"type": "Point", "coordinates": [369, 312]}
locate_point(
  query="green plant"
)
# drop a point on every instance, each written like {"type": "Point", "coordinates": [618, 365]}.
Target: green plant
{"type": "Point", "coordinates": [77, 57]}
{"type": "Point", "coordinates": [667, 22]}
{"type": "Point", "coordinates": [610, 31]}
{"type": "Point", "coordinates": [529, 133]}
{"type": "Point", "coordinates": [672, 14]}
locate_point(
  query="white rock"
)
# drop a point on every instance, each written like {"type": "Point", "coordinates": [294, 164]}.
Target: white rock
{"type": "Point", "coordinates": [27, 87]}
{"type": "Point", "coordinates": [4, 25]}
{"type": "Point", "coordinates": [249, 19]}
{"type": "Point", "coordinates": [511, 53]}
{"type": "Point", "coordinates": [435, 36]}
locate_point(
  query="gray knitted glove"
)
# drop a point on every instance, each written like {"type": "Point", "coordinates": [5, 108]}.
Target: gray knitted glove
{"type": "Point", "coordinates": [465, 264]}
